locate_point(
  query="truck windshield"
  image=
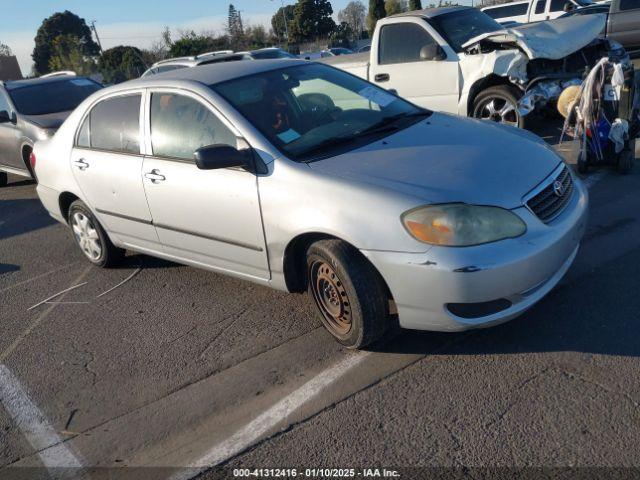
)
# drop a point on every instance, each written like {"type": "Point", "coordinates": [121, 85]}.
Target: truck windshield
{"type": "Point", "coordinates": [459, 27]}
{"type": "Point", "coordinates": [314, 111]}
{"type": "Point", "coordinates": [52, 96]}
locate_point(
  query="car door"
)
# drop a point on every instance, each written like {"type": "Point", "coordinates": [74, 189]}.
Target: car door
{"type": "Point", "coordinates": [10, 137]}
{"type": "Point", "coordinates": [204, 217]}
{"type": "Point", "coordinates": [107, 164]}
{"type": "Point", "coordinates": [397, 65]}
{"type": "Point", "coordinates": [624, 22]}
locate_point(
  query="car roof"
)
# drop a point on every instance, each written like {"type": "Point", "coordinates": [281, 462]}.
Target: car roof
{"type": "Point", "coordinates": [216, 72]}
{"type": "Point", "coordinates": [431, 12]}
{"type": "Point", "coordinates": [14, 84]}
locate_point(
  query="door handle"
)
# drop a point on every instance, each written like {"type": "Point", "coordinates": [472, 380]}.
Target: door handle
{"type": "Point", "coordinates": [81, 164]}
{"type": "Point", "coordinates": [382, 77]}
{"type": "Point", "coordinates": [154, 176]}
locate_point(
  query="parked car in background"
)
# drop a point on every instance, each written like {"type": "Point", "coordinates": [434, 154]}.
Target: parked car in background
{"type": "Point", "coordinates": [460, 60]}
{"type": "Point", "coordinates": [366, 48]}
{"type": "Point", "coordinates": [339, 51]}
{"type": "Point", "coordinates": [623, 21]}
{"type": "Point", "coordinates": [193, 61]}
{"type": "Point", "coordinates": [299, 176]}
{"type": "Point", "coordinates": [269, 53]}
{"type": "Point", "coordinates": [32, 110]}
{"type": "Point", "coordinates": [533, 10]}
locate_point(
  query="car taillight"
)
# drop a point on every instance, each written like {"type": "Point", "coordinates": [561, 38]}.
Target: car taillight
{"type": "Point", "coordinates": [32, 160]}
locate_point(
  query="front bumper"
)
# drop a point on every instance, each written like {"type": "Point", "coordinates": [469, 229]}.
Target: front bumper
{"type": "Point", "coordinates": [521, 271]}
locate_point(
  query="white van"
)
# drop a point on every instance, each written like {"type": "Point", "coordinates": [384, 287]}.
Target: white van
{"type": "Point", "coordinates": [533, 10]}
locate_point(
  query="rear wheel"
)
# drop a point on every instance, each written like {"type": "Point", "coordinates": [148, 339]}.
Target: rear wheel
{"type": "Point", "coordinates": [4, 179]}
{"type": "Point", "coordinates": [351, 298]}
{"type": "Point", "coordinates": [91, 237]}
{"type": "Point", "coordinates": [499, 104]}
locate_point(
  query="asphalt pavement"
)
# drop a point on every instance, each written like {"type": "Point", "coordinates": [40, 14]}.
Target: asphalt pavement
{"type": "Point", "coordinates": [178, 369]}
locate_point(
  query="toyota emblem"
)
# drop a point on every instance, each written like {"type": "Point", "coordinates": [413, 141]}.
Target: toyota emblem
{"type": "Point", "coordinates": [558, 188]}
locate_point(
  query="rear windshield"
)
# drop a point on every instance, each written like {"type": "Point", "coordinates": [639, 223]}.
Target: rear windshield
{"type": "Point", "coordinates": [459, 27]}
{"type": "Point", "coordinates": [52, 97]}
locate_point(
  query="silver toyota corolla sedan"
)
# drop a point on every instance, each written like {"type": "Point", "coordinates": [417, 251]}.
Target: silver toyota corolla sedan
{"type": "Point", "coordinates": [302, 177]}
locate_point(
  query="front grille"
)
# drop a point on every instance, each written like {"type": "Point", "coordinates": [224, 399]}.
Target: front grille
{"type": "Point", "coordinates": [550, 202]}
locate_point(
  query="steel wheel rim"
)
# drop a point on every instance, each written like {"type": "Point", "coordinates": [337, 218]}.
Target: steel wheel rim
{"type": "Point", "coordinates": [331, 298]}
{"type": "Point", "coordinates": [499, 110]}
{"type": "Point", "coordinates": [86, 236]}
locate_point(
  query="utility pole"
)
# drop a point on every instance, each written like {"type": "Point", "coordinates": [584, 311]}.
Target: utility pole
{"type": "Point", "coordinates": [95, 31]}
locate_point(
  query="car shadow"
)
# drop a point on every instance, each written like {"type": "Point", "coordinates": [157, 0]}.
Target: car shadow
{"type": "Point", "coordinates": [22, 216]}
{"type": "Point", "coordinates": [138, 260]}
{"type": "Point", "coordinates": [594, 313]}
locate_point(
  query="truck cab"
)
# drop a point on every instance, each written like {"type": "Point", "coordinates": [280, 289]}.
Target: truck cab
{"type": "Point", "coordinates": [533, 10]}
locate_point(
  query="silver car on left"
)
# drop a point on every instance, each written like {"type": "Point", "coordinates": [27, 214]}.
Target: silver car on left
{"type": "Point", "coordinates": [299, 176]}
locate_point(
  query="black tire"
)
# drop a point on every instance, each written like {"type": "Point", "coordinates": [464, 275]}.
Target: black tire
{"type": "Point", "coordinates": [625, 161]}
{"type": "Point", "coordinates": [351, 297]}
{"type": "Point", "coordinates": [4, 179]}
{"type": "Point", "coordinates": [501, 96]}
{"type": "Point", "coordinates": [109, 255]}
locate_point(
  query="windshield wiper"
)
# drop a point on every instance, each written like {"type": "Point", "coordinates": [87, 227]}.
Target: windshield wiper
{"type": "Point", "coordinates": [329, 143]}
{"type": "Point", "coordinates": [387, 123]}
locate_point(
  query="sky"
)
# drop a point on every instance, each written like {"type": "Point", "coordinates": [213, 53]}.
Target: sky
{"type": "Point", "coordinates": [131, 22]}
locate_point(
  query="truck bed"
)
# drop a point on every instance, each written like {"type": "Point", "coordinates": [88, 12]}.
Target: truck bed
{"type": "Point", "coordinates": [356, 64]}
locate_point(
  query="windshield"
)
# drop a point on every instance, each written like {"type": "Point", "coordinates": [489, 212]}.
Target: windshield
{"type": "Point", "coordinates": [52, 97]}
{"type": "Point", "coordinates": [313, 111]}
{"type": "Point", "coordinates": [459, 27]}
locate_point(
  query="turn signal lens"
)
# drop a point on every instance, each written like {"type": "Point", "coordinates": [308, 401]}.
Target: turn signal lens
{"type": "Point", "coordinates": [461, 225]}
{"type": "Point", "coordinates": [32, 160]}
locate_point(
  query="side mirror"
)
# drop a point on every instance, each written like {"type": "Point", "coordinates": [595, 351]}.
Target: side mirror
{"type": "Point", "coordinates": [213, 157]}
{"type": "Point", "coordinates": [432, 52]}
{"type": "Point", "coordinates": [4, 117]}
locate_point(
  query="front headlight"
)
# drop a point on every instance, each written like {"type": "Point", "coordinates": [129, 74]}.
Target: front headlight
{"type": "Point", "coordinates": [462, 225]}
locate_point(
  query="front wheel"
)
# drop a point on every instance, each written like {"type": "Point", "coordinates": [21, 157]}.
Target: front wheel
{"type": "Point", "coordinates": [91, 237]}
{"type": "Point", "coordinates": [349, 293]}
{"type": "Point", "coordinates": [499, 104]}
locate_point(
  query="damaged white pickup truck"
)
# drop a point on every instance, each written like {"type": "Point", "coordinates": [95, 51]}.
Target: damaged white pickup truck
{"type": "Point", "coordinates": [460, 60]}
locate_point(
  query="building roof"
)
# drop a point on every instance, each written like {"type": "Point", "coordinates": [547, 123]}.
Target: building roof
{"type": "Point", "coordinates": [9, 68]}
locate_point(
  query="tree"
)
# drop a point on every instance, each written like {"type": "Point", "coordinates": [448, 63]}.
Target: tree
{"type": "Point", "coordinates": [191, 44]}
{"type": "Point", "coordinates": [415, 5]}
{"type": "Point", "coordinates": [354, 15]}
{"type": "Point", "coordinates": [312, 20]}
{"type": "Point", "coordinates": [393, 7]}
{"type": "Point", "coordinates": [121, 63]}
{"type": "Point", "coordinates": [235, 29]}
{"type": "Point", "coordinates": [256, 37]}
{"type": "Point", "coordinates": [58, 24]}
{"type": "Point", "coordinates": [341, 36]}
{"type": "Point", "coordinates": [278, 21]}
{"type": "Point", "coordinates": [68, 53]}
{"type": "Point", "coordinates": [5, 51]}
{"type": "Point", "coordinates": [376, 12]}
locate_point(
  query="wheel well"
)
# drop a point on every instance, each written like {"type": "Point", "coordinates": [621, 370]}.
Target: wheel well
{"type": "Point", "coordinates": [65, 201]}
{"type": "Point", "coordinates": [295, 265]}
{"type": "Point", "coordinates": [26, 154]}
{"type": "Point", "coordinates": [492, 80]}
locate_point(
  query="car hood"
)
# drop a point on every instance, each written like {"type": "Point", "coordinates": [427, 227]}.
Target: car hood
{"type": "Point", "coordinates": [552, 39]}
{"type": "Point", "coordinates": [50, 120]}
{"type": "Point", "coordinates": [448, 159]}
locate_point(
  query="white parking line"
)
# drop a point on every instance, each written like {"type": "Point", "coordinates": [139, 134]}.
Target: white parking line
{"type": "Point", "coordinates": [261, 425]}
{"type": "Point", "coordinates": [33, 424]}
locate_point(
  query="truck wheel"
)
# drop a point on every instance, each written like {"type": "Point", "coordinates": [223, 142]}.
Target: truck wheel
{"type": "Point", "coordinates": [625, 161]}
{"type": "Point", "coordinates": [499, 104]}
{"type": "Point", "coordinates": [91, 237]}
{"type": "Point", "coordinates": [351, 297]}
{"type": "Point", "coordinates": [4, 179]}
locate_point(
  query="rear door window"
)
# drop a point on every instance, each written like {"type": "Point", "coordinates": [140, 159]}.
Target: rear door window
{"type": "Point", "coordinates": [557, 5]}
{"type": "Point", "coordinates": [180, 125]}
{"type": "Point", "coordinates": [113, 125]}
{"type": "Point", "coordinates": [629, 4]}
{"type": "Point", "coordinates": [402, 42]}
{"type": "Point", "coordinates": [540, 5]}
{"type": "Point", "coordinates": [508, 11]}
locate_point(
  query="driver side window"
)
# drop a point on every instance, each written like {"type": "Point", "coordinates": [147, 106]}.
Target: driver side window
{"type": "Point", "coordinates": [180, 125]}
{"type": "Point", "coordinates": [402, 42]}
